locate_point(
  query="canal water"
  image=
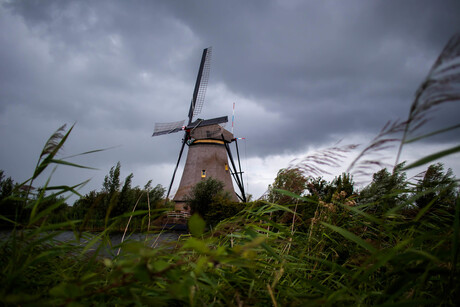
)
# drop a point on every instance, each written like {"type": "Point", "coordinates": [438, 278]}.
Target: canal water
{"type": "Point", "coordinates": [152, 240]}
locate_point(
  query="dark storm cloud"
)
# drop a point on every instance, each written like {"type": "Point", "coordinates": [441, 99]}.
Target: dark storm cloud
{"type": "Point", "coordinates": [326, 68]}
{"type": "Point", "coordinates": [303, 73]}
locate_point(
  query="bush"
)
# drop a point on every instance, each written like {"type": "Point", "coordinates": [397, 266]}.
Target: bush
{"type": "Point", "coordinates": [204, 193]}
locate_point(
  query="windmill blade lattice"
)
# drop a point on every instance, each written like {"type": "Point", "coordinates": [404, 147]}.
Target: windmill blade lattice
{"type": "Point", "coordinates": [166, 128]}
{"type": "Point", "coordinates": [201, 84]}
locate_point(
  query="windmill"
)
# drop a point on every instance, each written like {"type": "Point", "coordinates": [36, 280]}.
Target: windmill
{"type": "Point", "coordinates": [208, 144]}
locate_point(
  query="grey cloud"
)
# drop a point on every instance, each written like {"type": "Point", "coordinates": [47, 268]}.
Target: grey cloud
{"type": "Point", "coordinates": [315, 70]}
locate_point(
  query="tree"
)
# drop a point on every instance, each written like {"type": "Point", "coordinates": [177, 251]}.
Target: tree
{"type": "Point", "coordinates": [6, 186]}
{"type": "Point", "coordinates": [156, 196]}
{"type": "Point", "coordinates": [436, 186]}
{"type": "Point", "coordinates": [343, 183]}
{"type": "Point", "coordinates": [204, 193]}
{"type": "Point", "coordinates": [9, 208]}
{"type": "Point", "coordinates": [124, 199]}
{"type": "Point", "coordinates": [89, 206]}
{"type": "Point", "coordinates": [288, 179]}
{"type": "Point", "coordinates": [60, 213]}
{"type": "Point", "coordinates": [111, 201]}
{"type": "Point", "coordinates": [386, 190]}
{"type": "Point", "coordinates": [320, 189]}
{"type": "Point", "coordinates": [222, 208]}
{"type": "Point", "coordinates": [323, 190]}
{"type": "Point", "coordinates": [112, 180]}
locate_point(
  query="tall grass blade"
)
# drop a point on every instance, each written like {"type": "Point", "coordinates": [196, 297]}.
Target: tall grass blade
{"type": "Point", "coordinates": [35, 205]}
{"type": "Point", "coordinates": [351, 236]}
{"type": "Point", "coordinates": [432, 134]}
{"type": "Point", "coordinates": [70, 164]}
{"type": "Point", "coordinates": [455, 239]}
{"type": "Point", "coordinates": [440, 86]}
{"type": "Point", "coordinates": [8, 220]}
{"type": "Point", "coordinates": [433, 157]}
{"type": "Point", "coordinates": [129, 221]}
{"type": "Point", "coordinates": [46, 212]}
{"type": "Point", "coordinates": [89, 152]}
{"type": "Point", "coordinates": [62, 189]}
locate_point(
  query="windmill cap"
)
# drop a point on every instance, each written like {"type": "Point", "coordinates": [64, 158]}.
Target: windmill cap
{"type": "Point", "coordinates": [211, 132]}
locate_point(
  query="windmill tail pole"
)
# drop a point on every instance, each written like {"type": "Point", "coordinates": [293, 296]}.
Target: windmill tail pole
{"type": "Point", "coordinates": [235, 173]}
{"type": "Point", "coordinates": [239, 163]}
{"type": "Point", "coordinates": [232, 167]}
{"type": "Point", "coordinates": [240, 173]}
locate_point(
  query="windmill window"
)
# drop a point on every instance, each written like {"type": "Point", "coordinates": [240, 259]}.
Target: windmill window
{"type": "Point", "coordinates": [203, 173]}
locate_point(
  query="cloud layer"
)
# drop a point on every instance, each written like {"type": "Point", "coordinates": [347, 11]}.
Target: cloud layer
{"type": "Point", "coordinates": [303, 74]}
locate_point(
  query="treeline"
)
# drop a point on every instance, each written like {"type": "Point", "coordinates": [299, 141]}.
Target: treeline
{"type": "Point", "coordinates": [115, 199]}
{"type": "Point", "coordinates": [434, 189]}
{"type": "Point", "coordinates": [17, 200]}
{"type": "Point", "coordinates": [95, 209]}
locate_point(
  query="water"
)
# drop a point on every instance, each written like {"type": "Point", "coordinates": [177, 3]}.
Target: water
{"type": "Point", "coordinates": [66, 236]}
{"type": "Point", "coordinates": [153, 240]}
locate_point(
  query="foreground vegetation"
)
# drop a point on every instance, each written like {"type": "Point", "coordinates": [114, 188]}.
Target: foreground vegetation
{"type": "Point", "coordinates": [308, 251]}
{"type": "Point", "coordinates": [311, 242]}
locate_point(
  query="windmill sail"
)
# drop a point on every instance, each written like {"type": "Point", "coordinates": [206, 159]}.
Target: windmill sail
{"type": "Point", "coordinates": [201, 84]}
{"type": "Point", "coordinates": [166, 128]}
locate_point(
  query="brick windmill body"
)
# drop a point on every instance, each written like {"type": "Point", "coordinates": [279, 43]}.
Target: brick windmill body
{"type": "Point", "coordinates": [208, 145]}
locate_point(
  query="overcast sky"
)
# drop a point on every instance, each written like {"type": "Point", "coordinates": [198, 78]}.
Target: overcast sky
{"type": "Point", "coordinates": [303, 75]}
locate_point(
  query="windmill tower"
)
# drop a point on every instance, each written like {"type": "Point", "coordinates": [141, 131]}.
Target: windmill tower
{"type": "Point", "coordinates": [208, 145]}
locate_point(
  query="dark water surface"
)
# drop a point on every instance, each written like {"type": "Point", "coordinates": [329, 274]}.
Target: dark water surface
{"type": "Point", "coordinates": [116, 238]}
{"type": "Point", "coordinates": [151, 240]}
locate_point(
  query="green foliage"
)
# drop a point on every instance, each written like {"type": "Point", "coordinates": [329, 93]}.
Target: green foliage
{"type": "Point", "coordinates": [344, 183]}
{"type": "Point", "coordinates": [89, 205]}
{"type": "Point", "coordinates": [320, 189]}
{"type": "Point", "coordinates": [95, 208]}
{"type": "Point", "coordinates": [203, 194]}
{"type": "Point", "coordinates": [112, 180]}
{"type": "Point", "coordinates": [10, 207]}
{"type": "Point", "coordinates": [288, 179]}
{"type": "Point", "coordinates": [125, 198]}
{"type": "Point", "coordinates": [6, 186]}
{"type": "Point", "coordinates": [437, 186]}
{"type": "Point", "coordinates": [156, 197]}
{"type": "Point", "coordinates": [387, 190]}
{"type": "Point", "coordinates": [222, 208]}
{"type": "Point", "coordinates": [196, 225]}
{"type": "Point", "coordinates": [212, 203]}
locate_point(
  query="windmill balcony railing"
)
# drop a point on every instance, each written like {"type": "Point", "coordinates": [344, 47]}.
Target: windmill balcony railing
{"type": "Point", "coordinates": [178, 215]}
